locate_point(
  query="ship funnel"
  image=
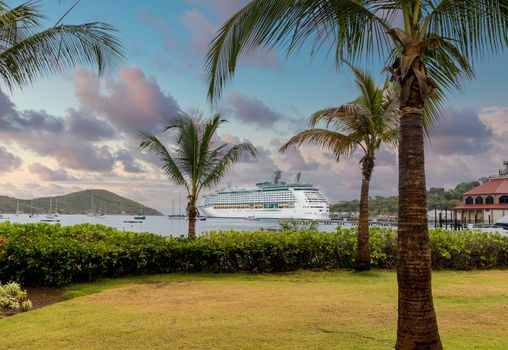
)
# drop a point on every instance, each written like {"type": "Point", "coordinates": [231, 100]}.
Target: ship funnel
{"type": "Point", "coordinates": [276, 176]}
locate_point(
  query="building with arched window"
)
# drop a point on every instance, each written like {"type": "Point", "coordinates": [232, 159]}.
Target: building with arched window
{"type": "Point", "coordinates": [486, 203]}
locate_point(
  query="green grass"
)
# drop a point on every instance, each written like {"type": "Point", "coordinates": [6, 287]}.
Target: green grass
{"type": "Point", "coordinates": [303, 310]}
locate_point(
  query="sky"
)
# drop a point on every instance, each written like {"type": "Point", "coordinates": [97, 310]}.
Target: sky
{"type": "Point", "coordinates": [74, 131]}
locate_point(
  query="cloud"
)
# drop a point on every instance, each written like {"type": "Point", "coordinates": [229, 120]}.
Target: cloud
{"type": "Point", "coordinates": [131, 104]}
{"type": "Point", "coordinates": [70, 139]}
{"type": "Point", "coordinates": [159, 24]}
{"type": "Point", "coordinates": [8, 161]}
{"type": "Point", "coordinates": [129, 163]}
{"type": "Point", "coordinates": [461, 132]}
{"type": "Point", "coordinates": [250, 110]}
{"type": "Point", "coordinates": [223, 9]}
{"type": "Point", "coordinates": [201, 30]}
{"type": "Point", "coordinates": [46, 174]}
{"type": "Point", "coordinates": [14, 122]}
{"type": "Point", "coordinates": [86, 127]}
{"type": "Point", "coordinates": [293, 158]}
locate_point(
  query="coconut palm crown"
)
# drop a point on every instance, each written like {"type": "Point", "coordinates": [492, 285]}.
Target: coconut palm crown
{"type": "Point", "coordinates": [194, 159]}
{"type": "Point", "coordinates": [430, 46]}
{"type": "Point", "coordinates": [365, 124]}
{"type": "Point", "coordinates": [28, 50]}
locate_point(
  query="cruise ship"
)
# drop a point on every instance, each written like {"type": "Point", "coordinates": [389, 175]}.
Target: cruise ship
{"type": "Point", "coordinates": [269, 200]}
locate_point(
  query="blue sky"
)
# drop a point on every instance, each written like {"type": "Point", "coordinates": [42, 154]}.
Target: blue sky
{"type": "Point", "coordinates": [267, 102]}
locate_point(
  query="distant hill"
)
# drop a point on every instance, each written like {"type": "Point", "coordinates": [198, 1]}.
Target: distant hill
{"type": "Point", "coordinates": [437, 198]}
{"type": "Point", "coordinates": [105, 202]}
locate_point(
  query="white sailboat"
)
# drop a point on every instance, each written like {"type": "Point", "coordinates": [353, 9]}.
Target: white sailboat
{"type": "Point", "coordinates": [50, 217]}
{"type": "Point", "coordinates": [56, 214]}
{"type": "Point", "coordinates": [17, 208]}
{"type": "Point", "coordinates": [92, 209]}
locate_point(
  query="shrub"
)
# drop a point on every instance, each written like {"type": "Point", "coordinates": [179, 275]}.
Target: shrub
{"type": "Point", "coordinates": [297, 225]}
{"type": "Point", "coordinates": [45, 254]}
{"type": "Point", "coordinates": [12, 297]}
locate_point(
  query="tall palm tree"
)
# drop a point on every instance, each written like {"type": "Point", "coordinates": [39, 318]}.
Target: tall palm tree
{"type": "Point", "coordinates": [193, 159]}
{"type": "Point", "coordinates": [367, 123]}
{"type": "Point", "coordinates": [28, 50]}
{"type": "Point", "coordinates": [433, 52]}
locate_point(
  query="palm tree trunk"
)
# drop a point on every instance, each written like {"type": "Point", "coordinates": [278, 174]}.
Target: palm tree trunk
{"type": "Point", "coordinates": [192, 213]}
{"type": "Point", "coordinates": [362, 261]}
{"type": "Point", "coordinates": [417, 324]}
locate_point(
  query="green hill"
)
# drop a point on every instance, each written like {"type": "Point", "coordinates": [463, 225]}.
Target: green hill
{"type": "Point", "coordinates": [105, 202]}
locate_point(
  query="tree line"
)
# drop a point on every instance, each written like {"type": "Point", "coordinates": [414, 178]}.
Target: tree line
{"type": "Point", "coordinates": [437, 198]}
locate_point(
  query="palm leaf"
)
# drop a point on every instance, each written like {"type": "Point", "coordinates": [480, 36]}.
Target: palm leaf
{"type": "Point", "coordinates": [232, 156]}
{"type": "Point", "coordinates": [27, 52]}
{"type": "Point", "coordinates": [340, 145]}
{"type": "Point", "coordinates": [170, 167]}
{"type": "Point", "coordinates": [347, 25]}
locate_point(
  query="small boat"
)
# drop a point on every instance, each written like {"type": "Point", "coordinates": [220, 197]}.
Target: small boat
{"type": "Point", "coordinates": [50, 220]}
{"type": "Point", "coordinates": [202, 218]}
{"type": "Point", "coordinates": [251, 217]}
{"type": "Point", "coordinates": [140, 216]}
{"type": "Point", "coordinates": [133, 222]}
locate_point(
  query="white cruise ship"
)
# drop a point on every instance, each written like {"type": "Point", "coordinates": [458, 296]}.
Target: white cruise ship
{"type": "Point", "coordinates": [270, 200]}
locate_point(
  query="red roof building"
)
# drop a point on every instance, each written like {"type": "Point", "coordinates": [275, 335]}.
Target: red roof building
{"type": "Point", "coordinates": [486, 203]}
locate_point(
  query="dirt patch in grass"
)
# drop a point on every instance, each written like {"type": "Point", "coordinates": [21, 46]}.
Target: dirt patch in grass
{"type": "Point", "coordinates": [40, 297]}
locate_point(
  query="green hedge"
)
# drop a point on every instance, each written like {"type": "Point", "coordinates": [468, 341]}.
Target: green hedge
{"type": "Point", "coordinates": [46, 254]}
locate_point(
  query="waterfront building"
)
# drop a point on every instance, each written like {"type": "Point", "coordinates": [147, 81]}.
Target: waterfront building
{"type": "Point", "coordinates": [487, 203]}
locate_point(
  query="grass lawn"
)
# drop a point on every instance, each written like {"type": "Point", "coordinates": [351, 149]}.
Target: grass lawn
{"type": "Point", "coordinates": [303, 310]}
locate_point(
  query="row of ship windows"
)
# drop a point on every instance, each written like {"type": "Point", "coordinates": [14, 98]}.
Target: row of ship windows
{"type": "Point", "coordinates": [244, 198]}
{"type": "Point", "coordinates": [488, 200]}
{"type": "Point", "coordinates": [253, 206]}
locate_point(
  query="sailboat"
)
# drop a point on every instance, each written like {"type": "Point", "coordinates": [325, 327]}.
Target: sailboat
{"type": "Point", "coordinates": [32, 214]}
{"type": "Point", "coordinates": [140, 216]}
{"type": "Point", "coordinates": [56, 214]}
{"type": "Point", "coordinates": [174, 215]}
{"type": "Point", "coordinates": [17, 208]}
{"type": "Point", "coordinates": [92, 209]}
{"type": "Point", "coordinates": [50, 217]}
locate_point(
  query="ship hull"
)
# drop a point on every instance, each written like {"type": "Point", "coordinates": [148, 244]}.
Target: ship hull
{"type": "Point", "coordinates": [288, 213]}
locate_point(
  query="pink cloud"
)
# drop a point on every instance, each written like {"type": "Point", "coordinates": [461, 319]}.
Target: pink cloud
{"type": "Point", "coordinates": [131, 103]}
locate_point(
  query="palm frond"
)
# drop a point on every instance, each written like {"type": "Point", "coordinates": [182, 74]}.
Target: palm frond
{"type": "Point", "coordinates": [62, 47]}
{"type": "Point", "coordinates": [479, 27]}
{"type": "Point", "coordinates": [229, 159]}
{"type": "Point", "coordinates": [152, 144]}
{"type": "Point", "coordinates": [340, 118]}
{"type": "Point", "coordinates": [18, 23]}
{"type": "Point", "coordinates": [347, 25]}
{"type": "Point", "coordinates": [340, 145]}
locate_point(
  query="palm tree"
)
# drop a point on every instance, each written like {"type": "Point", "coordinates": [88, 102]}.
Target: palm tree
{"type": "Point", "coordinates": [432, 53]}
{"type": "Point", "coordinates": [29, 51]}
{"type": "Point", "coordinates": [365, 123]}
{"type": "Point", "coordinates": [193, 159]}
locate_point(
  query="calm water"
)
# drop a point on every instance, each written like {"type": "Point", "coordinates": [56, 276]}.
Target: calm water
{"type": "Point", "coordinates": [165, 226]}
{"type": "Point", "coordinates": [158, 224]}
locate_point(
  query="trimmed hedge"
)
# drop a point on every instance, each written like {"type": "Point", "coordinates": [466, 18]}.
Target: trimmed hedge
{"type": "Point", "coordinates": [46, 254]}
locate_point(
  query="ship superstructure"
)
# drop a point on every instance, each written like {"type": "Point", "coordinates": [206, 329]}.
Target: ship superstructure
{"type": "Point", "coordinates": [269, 200]}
